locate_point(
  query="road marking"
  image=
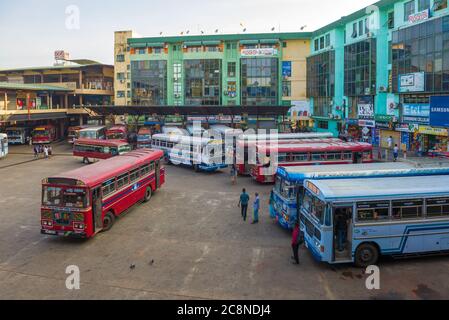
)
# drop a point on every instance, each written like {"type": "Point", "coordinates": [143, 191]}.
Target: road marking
{"type": "Point", "coordinates": [255, 260]}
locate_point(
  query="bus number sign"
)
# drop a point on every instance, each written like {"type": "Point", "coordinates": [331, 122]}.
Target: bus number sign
{"type": "Point", "coordinates": [313, 188]}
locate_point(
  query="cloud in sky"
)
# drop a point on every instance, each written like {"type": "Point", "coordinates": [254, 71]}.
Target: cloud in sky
{"type": "Point", "coordinates": [32, 35]}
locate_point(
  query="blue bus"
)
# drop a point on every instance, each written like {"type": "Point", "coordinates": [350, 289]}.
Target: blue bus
{"type": "Point", "coordinates": [290, 182]}
{"type": "Point", "coordinates": [358, 220]}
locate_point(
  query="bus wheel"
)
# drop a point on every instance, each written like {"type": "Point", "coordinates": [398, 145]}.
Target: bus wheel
{"type": "Point", "coordinates": [366, 255]}
{"type": "Point", "coordinates": [196, 168]}
{"type": "Point", "coordinates": [108, 221]}
{"type": "Point", "coordinates": [148, 194]}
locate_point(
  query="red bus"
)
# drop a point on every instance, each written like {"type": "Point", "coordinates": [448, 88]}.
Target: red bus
{"type": "Point", "coordinates": [117, 133]}
{"type": "Point", "coordinates": [73, 133]}
{"type": "Point", "coordinates": [144, 138]}
{"type": "Point", "coordinates": [92, 150]}
{"type": "Point", "coordinates": [308, 154]}
{"type": "Point", "coordinates": [45, 134]}
{"type": "Point", "coordinates": [85, 201]}
{"type": "Point", "coordinates": [243, 167]}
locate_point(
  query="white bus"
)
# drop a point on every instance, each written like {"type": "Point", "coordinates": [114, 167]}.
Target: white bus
{"type": "Point", "coordinates": [200, 153]}
{"type": "Point", "coordinates": [175, 130]}
{"type": "Point", "coordinates": [17, 135]}
{"type": "Point", "coordinates": [3, 145]}
{"type": "Point", "coordinates": [96, 133]}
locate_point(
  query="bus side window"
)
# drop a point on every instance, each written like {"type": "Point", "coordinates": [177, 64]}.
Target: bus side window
{"type": "Point", "coordinates": [108, 187]}
{"type": "Point", "coordinates": [134, 175]}
{"type": "Point", "coordinates": [152, 166]}
{"type": "Point", "coordinates": [122, 180]}
{"type": "Point", "coordinates": [437, 207]}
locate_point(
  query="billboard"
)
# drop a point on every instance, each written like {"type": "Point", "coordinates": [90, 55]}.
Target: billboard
{"type": "Point", "coordinates": [365, 108]}
{"type": "Point", "coordinates": [412, 82]}
{"type": "Point", "coordinates": [439, 111]}
{"type": "Point", "coordinates": [286, 68]}
{"type": "Point", "coordinates": [262, 52]}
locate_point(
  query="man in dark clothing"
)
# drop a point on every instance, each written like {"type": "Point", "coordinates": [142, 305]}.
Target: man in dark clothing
{"type": "Point", "coordinates": [295, 243]}
{"type": "Point", "coordinates": [341, 226]}
{"type": "Point", "coordinates": [243, 203]}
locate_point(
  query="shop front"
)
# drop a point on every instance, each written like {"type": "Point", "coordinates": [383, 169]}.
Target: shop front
{"type": "Point", "coordinates": [433, 140]}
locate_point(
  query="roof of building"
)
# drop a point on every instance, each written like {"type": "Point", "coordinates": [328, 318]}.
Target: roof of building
{"type": "Point", "coordinates": [365, 189]}
{"type": "Point", "coordinates": [353, 16]}
{"type": "Point", "coordinates": [76, 64]}
{"type": "Point", "coordinates": [31, 87]}
{"type": "Point", "coordinates": [224, 37]}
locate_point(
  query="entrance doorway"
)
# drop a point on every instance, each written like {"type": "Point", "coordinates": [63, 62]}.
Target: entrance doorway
{"type": "Point", "coordinates": [342, 217]}
{"type": "Point", "coordinates": [97, 209]}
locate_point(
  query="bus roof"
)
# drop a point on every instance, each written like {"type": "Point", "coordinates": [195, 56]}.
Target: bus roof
{"type": "Point", "coordinates": [99, 142]}
{"type": "Point", "coordinates": [173, 137]}
{"type": "Point", "coordinates": [93, 128]}
{"type": "Point", "coordinates": [369, 189]}
{"type": "Point", "coordinates": [300, 173]}
{"type": "Point", "coordinates": [144, 130]}
{"type": "Point", "coordinates": [287, 136]}
{"type": "Point", "coordinates": [117, 128]}
{"type": "Point", "coordinates": [99, 172]}
{"type": "Point", "coordinates": [315, 147]}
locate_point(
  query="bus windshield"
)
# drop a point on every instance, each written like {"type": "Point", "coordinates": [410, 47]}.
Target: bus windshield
{"type": "Point", "coordinates": [41, 133]}
{"type": "Point", "coordinates": [116, 136]}
{"type": "Point", "coordinates": [314, 206]}
{"type": "Point", "coordinates": [124, 149]}
{"type": "Point", "coordinates": [64, 197]}
{"type": "Point", "coordinates": [14, 133]}
{"type": "Point", "coordinates": [88, 134]}
{"type": "Point", "coordinates": [287, 190]}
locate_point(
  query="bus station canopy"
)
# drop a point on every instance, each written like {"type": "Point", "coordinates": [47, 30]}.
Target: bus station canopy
{"type": "Point", "coordinates": [190, 110]}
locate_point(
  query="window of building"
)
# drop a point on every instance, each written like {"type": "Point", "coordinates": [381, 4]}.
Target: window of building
{"type": "Point", "coordinates": [259, 81]}
{"type": "Point", "coordinates": [120, 94]}
{"type": "Point", "coordinates": [366, 26]}
{"type": "Point", "coordinates": [141, 51]}
{"type": "Point", "coordinates": [120, 58]}
{"type": "Point", "coordinates": [316, 45]}
{"type": "Point", "coordinates": [149, 82]}
{"type": "Point", "coordinates": [440, 5]}
{"type": "Point", "coordinates": [212, 48]}
{"type": "Point", "coordinates": [194, 49]}
{"type": "Point", "coordinates": [157, 50]}
{"type": "Point", "coordinates": [120, 76]}
{"type": "Point", "coordinates": [202, 82]}
{"type": "Point", "coordinates": [321, 43]}
{"type": "Point", "coordinates": [321, 75]}
{"type": "Point", "coordinates": [423, 5]}
{"type": "Point", "coordinates": [409, 9]}
{"type": "Point", "coordinates": [231, 69]}
{"type": "Point", "coordinates": [284, 44]}
{"type": "Point", "coordinates": [286, 88]}
{"type": "Point", "coordinates": [323, 125]}
{"type": "Point", "coordinates": [391, 20]}
{"type": "Point", "coordinates": [360, 68]}
{"type": "Point", "coordinates": [354, 30]}
{"type": "Point", "coordinates": [361, 28]}
{"type": "Point", "coordinates": [328, 40]}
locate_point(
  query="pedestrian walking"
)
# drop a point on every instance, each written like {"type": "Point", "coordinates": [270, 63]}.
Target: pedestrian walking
{"type": "Point", "coordinates": [396, 152]}
{"type": "Point", "coordinates": [296, 243]}
{"type": "Point", "coordinates": [256, 207]}
{"type": "Point", "coordinates": [50, 151]}
{"type": "Point", "coordinates": [46, 152]}
{"type": "Point", "coordinates": [243, 203]}
{"type": "Point", "coordinates": [36, 152]}
{"type": "Point", "coordinates": [233, 175]}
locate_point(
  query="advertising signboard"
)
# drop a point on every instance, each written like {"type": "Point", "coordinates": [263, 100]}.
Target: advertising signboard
{"type": "Point", "coordinates": [259, 52]}
{"type": "Point", "coordinates": [365, 107]}
{"type": "Point", "coordinates": [286, 68]}
{"type": "Point", "coordinates": [412, 82]}
{"type": "Point", "coordinates": [439, 111]}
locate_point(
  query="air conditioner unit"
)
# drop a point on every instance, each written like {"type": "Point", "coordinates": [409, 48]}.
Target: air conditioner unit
{"type": "Point", "coordinates": [369, 34]}
{"type": "Point", "coordinates": [383, 89]}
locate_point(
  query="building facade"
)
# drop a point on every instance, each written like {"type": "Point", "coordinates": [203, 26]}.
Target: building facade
{"type": "Point", "coordinates": [54, 94]}
{"type": "Point", "coordinates": [374, 72]}
{"type": "Point", "coordinates": [244, 69]}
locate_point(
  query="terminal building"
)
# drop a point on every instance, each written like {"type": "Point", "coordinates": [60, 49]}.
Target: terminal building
{"type": "Point", "coordinates": [54, 94]}
{"type": "Point", "coordinates": [212, 70]}
{"type": "Point", "coordinates": [383, 72]}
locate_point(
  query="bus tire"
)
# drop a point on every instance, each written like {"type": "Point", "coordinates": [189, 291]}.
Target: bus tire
{"type": "Point", "coordinates": [108, 221]}
{"type": "Point", "coordinates": [366, 255]}
{"type": "Point", "coordinates": [148, 194]}
{"type": "Point", "coordinates": [196, 168]}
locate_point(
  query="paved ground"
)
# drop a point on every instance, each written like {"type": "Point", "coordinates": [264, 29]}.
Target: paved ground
{"type": "Point", "coordinates": [193, 232]}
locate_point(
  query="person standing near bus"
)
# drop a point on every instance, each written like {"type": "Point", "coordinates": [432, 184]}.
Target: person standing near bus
{"type": "Point", "coordinates": [295, 243]}
{"type": "Point", "coordinates": [233, 174]}
{"type": "Point", "coordinates": [396, 152]}
{"type": "Point", "coordinates": [36, 152]}
{"type": "Point", "coordinates": [46, 152]}
{"type": "Point", "coordinates": [243, 203]}
{"type": "Point", "coordinates": [256, 207]}
{"type": "Point", "coordinates": [341, 227]}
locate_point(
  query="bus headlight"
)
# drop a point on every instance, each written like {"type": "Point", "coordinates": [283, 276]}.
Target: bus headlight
{"type": "Point", "coordinates": [47, 223]}
{"type": "Point", "coordinates": [79, 226]}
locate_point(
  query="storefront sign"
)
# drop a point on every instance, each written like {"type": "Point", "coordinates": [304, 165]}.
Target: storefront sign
{"type": "Point", "coordinates": [385, 125]}
{"type": "Point", "coordinates": [286, 68]}
{"type": "Point", "coordinates": [433, 131]}
{"type": "Point", "coordinates": [416, 113]}
{"type": "Point", "coordinates": [412, 82]}
{"type": "Point", "coordinates": [439, 111]}
{"type": "Point", "coordinates": [405, 141]}
{"type": "Point", "coordinates": [407, 127]}
{"type": "Point", "coordinates": [367, 123]}
{"type": "Point", "coordinates": [259, 52]}
{"type": "Point", "coordinates": [365, 107]}
{"type": "Point", "coordinates": [419, 17]}
{"type": "Point", "coordinates": [391, 106]}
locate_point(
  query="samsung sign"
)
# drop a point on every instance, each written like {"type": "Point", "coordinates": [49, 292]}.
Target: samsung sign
{"type": "Point", "coordinates": [439, 111]}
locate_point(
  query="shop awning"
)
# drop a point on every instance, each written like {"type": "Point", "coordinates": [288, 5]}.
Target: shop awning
{"type": "Point", "coordinates": [138, 45]}
{"type": "Point", "coordinates": [156, 45]}
{"type": "Point", "coordinates": [249, 41]}
{"type": "Point", "coordinates": [269, 41]}
{"type": "Point", "coordinates": [37, 116]}
{"type": "Point", "coordinates": [211, 43]}
{"type": "Point", "coordinates": [193, 43]}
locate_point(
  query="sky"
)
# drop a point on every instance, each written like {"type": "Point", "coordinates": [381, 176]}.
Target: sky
{"type": "Point", "coordinates": [31, 30]}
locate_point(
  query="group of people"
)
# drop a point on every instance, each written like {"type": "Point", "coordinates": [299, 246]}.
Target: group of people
{"type": "Point", "coordinates": [243, 205]}
{"type": "Point", "coordinates": [39, 150]}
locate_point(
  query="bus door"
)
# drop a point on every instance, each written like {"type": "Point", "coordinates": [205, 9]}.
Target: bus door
{"type": "Point", "coordinates": [158, 173]}
{"type": "Point", "coordinates": [97, 209]}
{"type": "Point", "coordinates": [342, 227]}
